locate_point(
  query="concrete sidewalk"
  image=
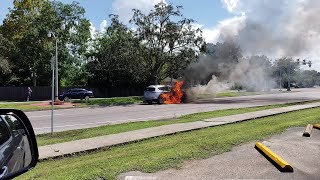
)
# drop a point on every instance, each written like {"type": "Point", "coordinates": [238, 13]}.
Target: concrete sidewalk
{"type": "Point", "coordinates": [73, 147]}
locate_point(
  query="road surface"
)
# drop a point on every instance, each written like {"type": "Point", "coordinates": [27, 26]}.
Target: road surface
{"type": "Point", "coordinates": [79, 118]}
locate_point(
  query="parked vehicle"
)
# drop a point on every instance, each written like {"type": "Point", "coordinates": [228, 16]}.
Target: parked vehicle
{"type": "Point", "coordinates": [152, 93]}
{"type": "Point", "coordinates": [76, 93]}
{"type": "Point", "coordinates": [18, 147]}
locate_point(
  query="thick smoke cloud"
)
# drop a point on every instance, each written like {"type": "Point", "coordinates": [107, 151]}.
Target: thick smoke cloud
{"type": "Point", "coordinates": [279, 28]}
{"type": "Point", "coordinates": [286, 28]}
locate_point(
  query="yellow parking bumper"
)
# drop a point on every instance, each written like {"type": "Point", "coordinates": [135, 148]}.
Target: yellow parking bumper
{"type": "Point", "coordinates": [282, 164]}
{"type": "Point", "coordinates": [317, 126]}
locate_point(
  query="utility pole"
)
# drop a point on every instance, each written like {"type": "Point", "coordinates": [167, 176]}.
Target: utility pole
{"type": "Point", "coordinates": [52, 92]}
{"type": "Point", "coordinates": [280, 78]}
{"type": "Point", "coordinates": [289, 74]}
{"type": "Point", "coordinates": [55, 36]}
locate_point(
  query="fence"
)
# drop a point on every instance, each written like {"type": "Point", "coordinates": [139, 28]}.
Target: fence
{"type": "Point", "coordinates": [44, 92]}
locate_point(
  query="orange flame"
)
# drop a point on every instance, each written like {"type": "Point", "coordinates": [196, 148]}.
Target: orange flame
{"type": "Point", "coordinates": [175, 96]}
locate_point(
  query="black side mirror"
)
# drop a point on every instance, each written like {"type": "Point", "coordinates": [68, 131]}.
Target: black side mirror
{"type": "Point", "coordinates": [18, 146]}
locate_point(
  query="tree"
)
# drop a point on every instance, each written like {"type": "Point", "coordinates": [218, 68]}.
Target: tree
{"type": "Point", "coordinates": [5, 68]}
{"type": "Point", "coordinates": [116, 57]}
{"type": "Point", "coordinates": [27, 26]}
{"type": "Point", "coordinates": [285, 69]}
{"type": "Point", "coordinates": [168, 36]}
{"type": "Point", "coordinates": [307, 78]}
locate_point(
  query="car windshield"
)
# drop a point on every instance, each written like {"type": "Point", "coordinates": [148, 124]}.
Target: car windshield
{"type": "Point", "coordinates": [150, 89]}
{"type": "Point", "coordinates": [165, 88]}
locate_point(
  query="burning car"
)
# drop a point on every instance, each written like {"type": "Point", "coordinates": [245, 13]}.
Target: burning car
{"type": "Point", "coordinates": [165, 94]}
{"type": "Point", "coordinates": [175, 96]}
{"type": "Point", "coordinates": [153, 93]}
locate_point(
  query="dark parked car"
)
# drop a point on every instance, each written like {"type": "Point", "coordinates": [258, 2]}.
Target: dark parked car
{"type": "Point", "coordinates": [76, 93]}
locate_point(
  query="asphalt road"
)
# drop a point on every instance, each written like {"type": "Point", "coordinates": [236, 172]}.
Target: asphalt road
{"type": "Point", "coordinates": [79, 118]}
{"type": "Point", "coordinates": [245, 162]}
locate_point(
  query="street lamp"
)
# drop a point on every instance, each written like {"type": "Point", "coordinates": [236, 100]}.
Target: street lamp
{"type": "Point", "coordinates": [280, 78]}
{"type": "Point", "coordinates": [54, 68]}
{"type": "Point", "coordinates": [289, 77]}
{"type": "Point", "coordinates": [52, 91]}
{"type": "Point", "coordinates": [50, 34]}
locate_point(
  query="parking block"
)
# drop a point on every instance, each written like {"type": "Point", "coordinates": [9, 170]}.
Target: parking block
{"type": "Point", "coordinates": [281, 164]}
{"type": "Point", "coordinates": [317, 126]}
{"type": "Point", "coordinates": [307, 132]}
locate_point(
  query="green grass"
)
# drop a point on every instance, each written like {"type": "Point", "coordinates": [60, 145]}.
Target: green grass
{"type": "Point", "coordinates": [168, 151]}
{"type": "Point", "coordinates": [26, 106]}
{"type": "Point", "coordinates": [234, 94]}
{"type": "Point", "coordinates": [111, 101]}
{"type": "Point", "coordinates": [59, 137]}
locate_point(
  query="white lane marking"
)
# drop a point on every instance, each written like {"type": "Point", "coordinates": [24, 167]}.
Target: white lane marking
{"type": "Point", "coordinates": [45, 115]}
{"type": "Point", "coordinates": [109, 122]}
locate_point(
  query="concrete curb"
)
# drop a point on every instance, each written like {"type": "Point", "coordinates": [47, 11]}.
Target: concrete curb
{"type": "Point", "coordinates": [281, 164]}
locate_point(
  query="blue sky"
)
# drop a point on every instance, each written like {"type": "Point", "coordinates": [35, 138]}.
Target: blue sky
{"type": "Point", "coordinates": [207, 12]}
{"type": "Point", "coordinates": [283, 23]}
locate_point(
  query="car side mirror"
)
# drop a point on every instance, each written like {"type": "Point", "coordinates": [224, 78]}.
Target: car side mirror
{"type": "Point", "coordinates": [18, 146]}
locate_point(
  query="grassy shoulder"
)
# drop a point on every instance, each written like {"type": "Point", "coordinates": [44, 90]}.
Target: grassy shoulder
{"type": "Point", "coordinates": [235, 94]}
{"type": "Point", "coordinates": [59, 137]}
{"type": "Point", "coordinates": [169, 151]}
{"type": "Point", "coordinates": [110, 101]}
{"type": "Point", "coordinates": [246, 93]}
{"type": "Point", "coordinates": [30, 106]}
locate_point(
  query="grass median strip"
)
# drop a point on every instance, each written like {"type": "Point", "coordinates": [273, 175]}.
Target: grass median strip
{"type": "Point", "coordinates": [169, 151]}
{"type": "Point", "coordinates": [59, 137]}
{"type": "Point", "coordinates": [111, 101]}
{"type": "Point", "coordinates": [28, 106]}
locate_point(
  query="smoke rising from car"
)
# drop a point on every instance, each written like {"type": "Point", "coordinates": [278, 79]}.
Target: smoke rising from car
{"type": "Point", "coordinates": [279, 28]}
{"type": "Point", "coordinates": [272, 28]}
{"type": "Point", "coordinates": [209, 91]}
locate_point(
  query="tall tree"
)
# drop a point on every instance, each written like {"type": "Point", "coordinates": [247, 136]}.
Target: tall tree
{"type": "Point", "coordinates": [285, 69]}
{"type": "Point", "coordinates": [116, 57]}
{"type": "Point", "coordinates": [168, 36]}
{"type": "Point", "coordinates": [27, 26]}
{"type": "Point", "coordinates": [307, 78]}
{"type": "Point", "coordinates": [5, 68]}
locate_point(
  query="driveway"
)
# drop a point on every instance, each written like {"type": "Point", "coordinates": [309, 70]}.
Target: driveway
{"type": "Point", "coordinates": [245, 162]}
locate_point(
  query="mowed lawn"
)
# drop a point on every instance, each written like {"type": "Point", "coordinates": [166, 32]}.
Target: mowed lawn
{"type": "Point", "coordinates": [168, 151]}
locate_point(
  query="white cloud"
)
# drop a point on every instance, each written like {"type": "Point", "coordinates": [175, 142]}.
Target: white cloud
{"type": "Point", "coordinates": [225, 28]}
{"type": "Point", "coordinates": [123, 8]}
{"type": "Point", "coordinates": [93, 30]}
{"type": "Point", "coordinates": [103, 26]}
{"type": "Point", "coordinates": [231, 5]}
